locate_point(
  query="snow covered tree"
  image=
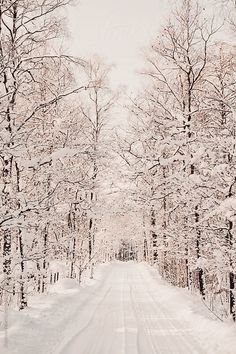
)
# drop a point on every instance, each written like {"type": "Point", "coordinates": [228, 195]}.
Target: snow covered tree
{"type": "Point", "coordinates": [183, 117]}
{"type": "Point", "coordinates": [96, 107]}
{"type": "Point", "coordinates": [35, 76]}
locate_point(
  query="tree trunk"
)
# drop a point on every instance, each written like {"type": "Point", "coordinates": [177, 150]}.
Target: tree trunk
{"type": "Point", "coordinates": [199, 269]}
{"type": "Point", "coordinates": [229, 239]}
{"type": "Point", "coordinates": [23, 300]}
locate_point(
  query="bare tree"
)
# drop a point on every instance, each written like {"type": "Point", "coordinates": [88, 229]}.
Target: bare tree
{"type": "Point", "coordinates": [96, 108]}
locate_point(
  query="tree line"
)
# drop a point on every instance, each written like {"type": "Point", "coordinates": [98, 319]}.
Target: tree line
{"type": "Point", "coordinates": [180, 150]}
{"type": "Point", "coordinates": [178, 156]}
{"type": "Point", "coordinates": [53, 113]}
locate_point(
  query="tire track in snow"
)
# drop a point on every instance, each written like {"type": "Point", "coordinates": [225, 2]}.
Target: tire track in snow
{"type": "Point", "coordinates": [123, 311]}
{"type": "Point", "coordinates": [84, 328]}
{"type": "Point", "coordinates": [99, 333]}
{"type": "Point", "coordinates": [188, 340]}
{"type": "Point", "coordinates": [137, 322]}
{"type": "Point", "coordinates": [142, 329]}
{"type": "Point", "coordinates": [141, 315]}
{"type": "Point", "coordinates": [126, 318]}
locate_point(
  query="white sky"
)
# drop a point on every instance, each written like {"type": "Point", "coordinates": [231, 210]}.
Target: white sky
{"type": "Point", "coordinates": [116, 30]}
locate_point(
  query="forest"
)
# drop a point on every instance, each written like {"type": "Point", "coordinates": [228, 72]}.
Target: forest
{"type": "Point", "coordinates": [76, 191]}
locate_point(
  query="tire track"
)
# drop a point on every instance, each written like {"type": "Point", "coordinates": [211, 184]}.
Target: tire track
{"type": "Point", "coordinates": [91, 319]}
{"type": "Point", "coordinates": [189, 341]}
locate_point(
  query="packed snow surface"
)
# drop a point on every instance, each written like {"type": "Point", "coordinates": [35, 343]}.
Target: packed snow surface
{"type": "Point", "coordinates": [128, 310]}
{"type": "Point", "coordinates": [127, 318]}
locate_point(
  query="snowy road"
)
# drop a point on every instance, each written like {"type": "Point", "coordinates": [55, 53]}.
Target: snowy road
{"type": "Point", "coordinates": [125, 316]}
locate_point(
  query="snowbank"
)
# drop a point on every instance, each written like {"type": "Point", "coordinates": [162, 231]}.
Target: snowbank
{"type": "Point", "coordinates": [49, 321]}
{"type": "Point", "coordinates": [217, 337]}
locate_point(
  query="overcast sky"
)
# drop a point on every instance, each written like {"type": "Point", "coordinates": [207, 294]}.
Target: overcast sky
{"type": "Point", "coordinates": [116, 30]}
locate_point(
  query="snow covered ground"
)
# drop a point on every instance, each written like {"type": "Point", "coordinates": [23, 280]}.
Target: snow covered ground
{"type": "Point", "coordinates": [127, 310]}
